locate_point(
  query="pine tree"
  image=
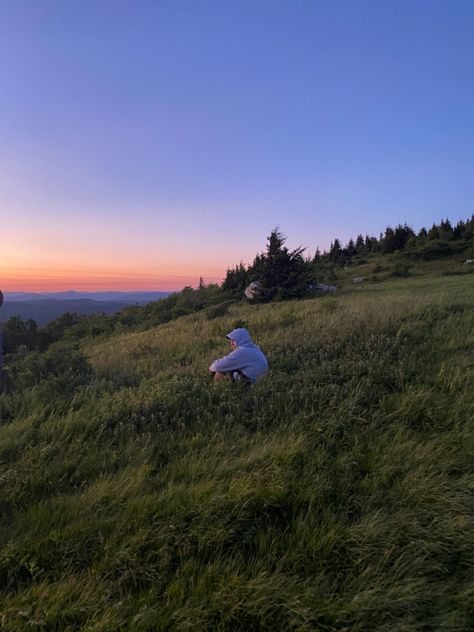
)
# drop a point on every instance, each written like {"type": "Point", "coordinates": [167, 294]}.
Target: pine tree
{"type": "Point", "coordinates": [236, 279]}
{"type": "Point", "coordinates": [350, 250]}
{"type": "Point", "coordinates": [283, 273]}
{"type": "Point", "coordinates": [388, 241]}
{"type": "Point", "coordinates": [335, 251]}
{"type": "Point", "coordinates": [459, 230]}
{"type": "Point", "coordinates": [446, 230]}
{"type": "Point", "coordinates": [360, 245]}
{"type": "Point", "coordinates": [423, 234]}
{"type": "Point", "coordinates": [433, 233]}
{"type": "Point", "coordinates": [469, 229]}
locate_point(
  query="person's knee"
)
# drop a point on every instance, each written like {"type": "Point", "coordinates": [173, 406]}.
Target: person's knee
{"type": "Point", "coordinates": [218, 377]}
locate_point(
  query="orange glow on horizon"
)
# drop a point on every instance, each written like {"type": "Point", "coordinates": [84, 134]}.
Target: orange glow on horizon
{"type": "Point", "coordinates": [22, 280]}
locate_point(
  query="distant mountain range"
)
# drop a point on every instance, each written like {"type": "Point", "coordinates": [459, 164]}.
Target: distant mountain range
{"type": "Point", "coordinates": [47, 306]}
{"type": "Point", "coordinates": [121, 297]}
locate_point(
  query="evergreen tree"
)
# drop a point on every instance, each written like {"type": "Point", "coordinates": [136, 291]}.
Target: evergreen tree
{"type": "Point", "coordinates": [446, 230]}
{"type": "Point", "coordinates": [317, 256]}
{"type": "Point", "coordinates": [350, 250]}
{"type": "Point", "coordinates": [335, 251]}
{"type": "Point", "coordinates": [236, 279]}
{"type": "Point", "coordinates": [283, 273]}
{"type": "Point", "coordinates": [360, 245]}
{"type": "Point", "coordinates": [402, 235]}
{"type": "Point", "coordinates": [433, 233]}
{"type": "Point", "coordinates": [396, 239]}
{"type": "Point", "coordinates": [388, 241]}
{"type": "Point", "coordinates": [469, 229]}
{"type": "Point", "coordinates": [423, 234]}
{"type": "Point", "coordinates": [369, 244]}
{"type": "Point", "coordinates": [459, 230]}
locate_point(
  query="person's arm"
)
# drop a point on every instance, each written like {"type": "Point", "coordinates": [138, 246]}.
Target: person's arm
{"type": "Point", "coordinates": [231, 362]}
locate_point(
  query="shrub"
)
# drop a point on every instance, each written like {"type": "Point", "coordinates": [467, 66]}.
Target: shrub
{"type": "Point", "coordinates": [435, 249]}
{"type": "Point", "coordinates": [400, 270]}
{"type": "Point", "coordinates": [218, 310]}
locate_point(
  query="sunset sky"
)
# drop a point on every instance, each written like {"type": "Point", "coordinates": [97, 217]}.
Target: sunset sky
{"type": "Point", "coordinates": [145, 143]}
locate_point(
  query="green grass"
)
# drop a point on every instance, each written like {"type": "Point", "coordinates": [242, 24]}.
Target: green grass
{"type": "Point", "coordinates": [337, 494]}
{"type": "Point", "coordinates": [377, 268]}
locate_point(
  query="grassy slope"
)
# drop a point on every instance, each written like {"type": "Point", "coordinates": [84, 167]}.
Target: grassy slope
{"type": "Point", "coordinates": [337, 494]}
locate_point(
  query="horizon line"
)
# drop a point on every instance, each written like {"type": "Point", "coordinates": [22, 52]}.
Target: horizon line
{"type": "Point", "coordinates": [86, 291]}
{"type": "Point", "coordinates": [94, 291]}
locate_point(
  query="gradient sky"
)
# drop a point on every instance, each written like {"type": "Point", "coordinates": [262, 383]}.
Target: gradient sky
{"type": "Point", "coordinates": [144, 143]}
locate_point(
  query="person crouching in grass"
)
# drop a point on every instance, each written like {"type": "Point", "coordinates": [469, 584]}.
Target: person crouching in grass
{"type": "Point", "coordinates": [245, 362]}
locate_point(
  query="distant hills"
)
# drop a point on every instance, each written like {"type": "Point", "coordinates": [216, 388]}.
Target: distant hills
{"type": "Point", "coordinates": [131, 298]}
{"type": "Point", "coordinates": [47, 306]}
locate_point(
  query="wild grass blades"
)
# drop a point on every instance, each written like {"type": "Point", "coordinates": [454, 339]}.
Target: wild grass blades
{"type": "Point", "coordinates": [336, 494]}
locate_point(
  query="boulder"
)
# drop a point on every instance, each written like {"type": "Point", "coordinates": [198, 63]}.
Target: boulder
{"type": "Point", "coordinates": [325, 288]}
{"type": "Point", "coordinates": [253, 290]}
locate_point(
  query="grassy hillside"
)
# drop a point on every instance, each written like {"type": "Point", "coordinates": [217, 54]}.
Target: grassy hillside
{"type": "Point", "coordinates": [336, 494]}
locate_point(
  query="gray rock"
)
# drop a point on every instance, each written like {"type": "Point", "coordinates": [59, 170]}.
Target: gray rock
{"type": "Point", "coordinates": [253, 290]}
{"type": "Point", "coordinates": [325, 288]}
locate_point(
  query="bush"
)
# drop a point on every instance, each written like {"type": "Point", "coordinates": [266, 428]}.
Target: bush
{"type": "Point", "coordinates": [459, 272]}
{"type": "Point", "coordinates": [435, 249]}
{"type": "Point", "coordinates": [400, 270]}
{"type": "Point", "coordinates": [218, 310]}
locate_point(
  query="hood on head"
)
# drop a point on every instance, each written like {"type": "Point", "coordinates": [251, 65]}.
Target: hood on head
{"type": "Point", "coordinates": [240, 336]}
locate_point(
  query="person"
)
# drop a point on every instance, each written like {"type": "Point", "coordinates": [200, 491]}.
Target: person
{"type": "Point", "coordinates": [246, 360]}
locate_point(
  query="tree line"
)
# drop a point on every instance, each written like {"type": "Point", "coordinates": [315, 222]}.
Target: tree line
{"type": "Point", "coordinates": [288, 274]}
{"type": "Point", "coordinates": [282, 273]}
{"type": "Point", "coordinates": [400, 238]}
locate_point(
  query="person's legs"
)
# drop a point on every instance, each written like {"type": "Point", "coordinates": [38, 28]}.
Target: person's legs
{"type": "Point", "coordinates": [233, 376]}
{"type": "Point", "coordinates": [218, 377]}
{"type": "Point", "coordinates": [239, 376]}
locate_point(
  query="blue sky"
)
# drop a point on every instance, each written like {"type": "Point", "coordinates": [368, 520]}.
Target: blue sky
{"type": "Point", "coordinates": [169, 137]}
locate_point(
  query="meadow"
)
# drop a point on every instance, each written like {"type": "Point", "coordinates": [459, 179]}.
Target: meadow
{"type": "Point", "coordinates": [335, 494]}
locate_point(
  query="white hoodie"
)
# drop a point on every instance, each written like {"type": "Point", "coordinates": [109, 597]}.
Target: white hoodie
{"type": "Point", "coordinates": [247, 358]}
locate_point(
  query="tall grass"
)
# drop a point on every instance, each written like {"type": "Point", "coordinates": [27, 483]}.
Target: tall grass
{"type": "Point", "coordinates": [336, 494]}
